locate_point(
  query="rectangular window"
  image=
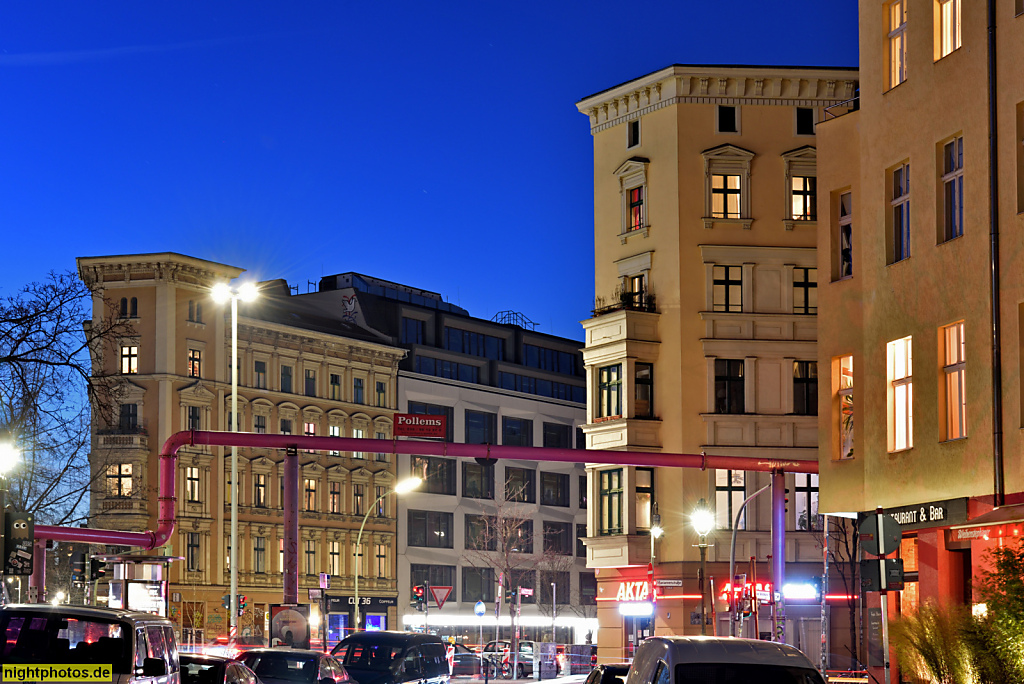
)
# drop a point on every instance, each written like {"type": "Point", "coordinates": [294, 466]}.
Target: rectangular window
{"type": "Point", "coordinates": [259, 554]}
{"type": "Point", "coordinates": [583, 492]}
{"type": "Point", "coordinates": [806, 490]}
{"type": "Point", "coordinates": [725, 196]}
{"type": "Point", "coordinates": [558, 538]}
{"type": "Point", "coordinates": [643, 380]}
{"type": "Point", "coordinates": [412, 331]}
{"type": "Point", "coordinates": [481, 427]}
{"type": "Point", "coordinates": [897, 11]}
{"type": "Point", "coordinates": [610, 495]}
{"type": "Point", "coordinates": [636, 208]}
{"type": "Point", "coordinates": [900, 213]}
{"type": "Point", "coordinates": [609, 390]}
{"type": "Point", "coordinates": [357, 433]}
{"type": "Point", "coordinates": [474, 343]}
{"type": "Point", "coordinates": [644, 498]}
{"type": "Point", "coordinates": [516, 431]}
{"type": "Point", "coordinates": [310, 491]}
{"type": "Point", "coordinates": [128, 418]}
{"type": "Point", "coordinates": [557, 436]}
{"type": "Point", "coordinates": [521, 533]}
{"type": "Point", "coordinates": [286, 426]}
{"type": "Point", "coordinates": [381, 456]}
{"type": "Point", "coordinates": [949, 26]}
{"type": "Point", "coordinates": [554, 489]}
{"type": "Point", "coordinates": [335, 387]}
{"type": "Point", "coordinates": [805, 388]}
{"type": "Point", "coordinates": [588, 588]}
{"type": "Point", "coordinates": [334, 498]}
{"type": "Point", "coordinates": [845, 235]}
{"type": "Point", "coordinates": [900, 372]}
{"type": "Point", "coordinates": [477, 480]}
{"type": "Point", "coordinates": [478, 584]}
{"type": "Point", "coordinates": [436, 575]}
{"type": "Point", "coordinates": [380, 496]}
{"type": "Point", "coordinates": [334, 431]}
{"type": "Point", "coordinates": [382, 394]}
{"type": "Point", "coordinates": [260, 374]}
{"type": "Point", "coordinates": [357, 390]}
{"type": "Point", "coordinates": [310, 554]}
{"type": "Point", "coordinates": [358, 499]}
{"type": "Point", "coordinates": [953, 188]}
{"type": "Point", "coordinates": [194, 417]}
{"type": "Point", "coordinates": [334, 558]}
{"type": "Point", "coordinates": [727, 288]}
{"type": "Point", "coordinates": [119, 480]}
{"type": "Point", "coordinates": [730, 491]}
{"type": "Point", "coordinates": [192, 551]}
{"type": "Point", "coordinates": [310, 388]}
{"type": "Point", "coordinates": [729, 386]}
{"type": "Point", "coordinates": [259, 490]}
{"type": "Point", "coordinates": [380, 553]}
{"type": "Point", "coordinates": [430, 529]}
{"type": "Point", "coordinates": [129, 359]}
{"type": "Point", "coordinates": [259, 425]}
{"type": "Point", "coordinates": [804, 121]}
{"type": "Point", "coordinates": [520, 485]}
{"type": "Point", "coordinates": [954, 369]}
{"type": "Point", "coordinates": [805, 291]}
{"type": "Point", "coordinates": [309, 430]}
{"type": "Point", "coordinates": [195, 363]}
{"type": "Point", "coordinates": [565, 363]}
{"type": "Point", "coordinates": [804, 198]}
{"type": "Point", "coordinates": [192, 484]}
{"type": "Point", "coordinates": [286, 379]}
{"type": "Point", "coordinates": [633, 133]}
{"type": "Point", "coordinates": [581, 535]}
{"type": "Point", "coordinates": [845, 393]}
{"type": "Point", "coordinates": [728, 119]}
{"type": "Point", "coordinates": [481, 532]}
{"type": "Point", "coordinates": [438, 474]}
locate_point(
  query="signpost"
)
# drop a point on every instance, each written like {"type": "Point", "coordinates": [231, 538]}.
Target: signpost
{"type": "Point", "coordinates": [880, 535]}
{"type": "Point", "coordinates": [479, 609]}
{"type": "Point", "coordinates": [416, 425]}
{"type": "Point", "coordinates": [440, 595]}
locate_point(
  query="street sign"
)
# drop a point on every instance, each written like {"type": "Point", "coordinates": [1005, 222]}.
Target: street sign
{"type": "Point", "coordinates": [869, 575]}
{"type": "Point", "coordinates": [479, 609]}
{"type": "Point", "coordinates": [440, 595]}
{"type": "Point", "coordinates": [525, 591]}
{"type": "Point", "coordinates": [315, 594]}
{"type": "Point", "coordinates": [325, 580]}
{"type": "Point", "coordinates": [889, 538]}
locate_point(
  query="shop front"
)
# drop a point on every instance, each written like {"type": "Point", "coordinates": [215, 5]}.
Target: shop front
{"type": "Point", "coordinates": [376, 613]}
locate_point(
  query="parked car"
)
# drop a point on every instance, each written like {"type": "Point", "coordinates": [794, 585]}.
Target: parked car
{"type": "Point", "coordinates": [140, 647]}
{"type": "Point", "coordinates": [394, 657]}
{"type": "Point", "coordinates": [494, 652]}
{"type": "Point", "coordinates": [695, 660]}
{"type": "Point", "coordinates": [197, 668]}
{"type": "Point", "coordinates": [466, 661]}
{"type": "Point", "coordinates": [608, 673]}
{"type": "Point", "coordinates": [294, 665]}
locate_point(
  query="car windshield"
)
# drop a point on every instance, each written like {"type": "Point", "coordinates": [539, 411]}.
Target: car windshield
{"type": "Point", "coordinates": [377, 657]}
{"type": "Point", "coordinates": [289, 666]}
{"type": "Point", "coordinates": [201, 672]}
{"type": "Point", "coordinates": [731, 673]}
{"type": "Point", "coordinates": [30, 637]}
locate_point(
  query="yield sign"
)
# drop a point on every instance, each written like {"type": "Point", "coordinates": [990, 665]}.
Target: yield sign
{"type": "Point", "coordinates": [440, 595]}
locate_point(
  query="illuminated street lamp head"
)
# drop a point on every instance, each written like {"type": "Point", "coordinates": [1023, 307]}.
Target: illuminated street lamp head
{"type": "Point", "coordinates": [407, 485]}
{"type": "Point", "coordinates": [248, 292]}
{"type": "Point", "coordinates": [657, 531]}
{"type": "Point", "coordinates": [221, 292]}
{"type": "Point", "coordinates": [702, 519]}
{"type": "Point", "coordinates": [9, 456]}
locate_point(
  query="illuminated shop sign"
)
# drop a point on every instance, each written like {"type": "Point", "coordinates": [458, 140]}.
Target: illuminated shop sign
{"type": "Point", "coordinates": [633, 591]}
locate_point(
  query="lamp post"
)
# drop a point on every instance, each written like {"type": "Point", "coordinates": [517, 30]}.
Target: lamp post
{"type": "Point", "coordinates": [402, 487]}
{"type": "Point", "coordinates": [221, 293]}
{"type": "Point", "coordinates": [10, 454]}
{"type": "Point", "coordinates": [703, 521]}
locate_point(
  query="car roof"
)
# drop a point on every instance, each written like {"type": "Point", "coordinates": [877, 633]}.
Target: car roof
{"type": "Point", "coordinates": [285, 651]}
{"type": "Point", "coordinates": [621, 667]}
{"type": "Point", "coordinates": [697, 649]}
{"type": "Point", "coordinates": [206, 657]}
{"type": "Point", "coordinates": [91, 612]}
{"type": "Point", "coordinates": [391, 637]}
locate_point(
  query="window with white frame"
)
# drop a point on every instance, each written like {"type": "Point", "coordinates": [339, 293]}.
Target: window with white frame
{"type": "Point", "coordinates": [806, 490]}
{"type": "Point", "coordinates": [609, 391]}
{"type": "Point", "coordinates": [897, 11]}
{"type": "Point", "coordinates": [334, 498]}
{"type": "Point", "coordinates": [310, 491]}
{"type": "Point", "coordinates": [334, 431]}
{"type": "Point", "coordinates": [632, 175]}
{"type": "Point", "coordinates": [901, 393]}
{"type": "Point", "coordinates": [727, 185]}
{"type": "Point", "coordinates": [801, 167]}
{"type": "Point", "coordinates": [844, 393]}
{"type": "Point", "coordinates": [900, 214]}
{"type": "Point", "coordinates": [119, 480]}
{"type": "Point", "coordinates": [259, 490]}
{"type": "Point", "coordinates": [949, 26]}
{"type": "Point", "coordinates": [730, 491]}
{"type": "Point", "coordinates": [727, 288]}
{"type": "Point", "coordinates": [129, 358]}
{"type": "Point", "coordinates": [954, 369]}
{"type": "Point", "coordinates": [259, 424]}
{"type": "Point", "coordinates": [953, 188]}
{"type": "Point", "coordinates": [195, 363]}
{"type": "Point", "coordinates": [334, 558]}
{"type": "Point", "coordinates": [259, 372]}
{"type": "Point", "coordinates": [357, 433]}
{"type": "Point", "coordinates": [192, 491]}
{"type": "Point", "coordinates": [845, 241]}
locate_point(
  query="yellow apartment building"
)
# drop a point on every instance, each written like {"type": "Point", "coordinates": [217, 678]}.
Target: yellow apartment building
{"type": "Point", "coordinates": [704, 333]}
{"type": "Point", "coordinates": [921, 282]}
{"type": "Point", "coordinates": [302, 370]}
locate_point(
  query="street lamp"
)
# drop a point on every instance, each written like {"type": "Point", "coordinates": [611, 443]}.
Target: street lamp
{"type": "Point", "coordinates": [10, 455]}
{"type": "Point", "coordinates": [656, 529]}
{"type": "Point", "coordinates": [221, 293]}
{"type": "Point", "coordinates": [703, 521]}
{"type": "Point", "coordinates": [401, 487]}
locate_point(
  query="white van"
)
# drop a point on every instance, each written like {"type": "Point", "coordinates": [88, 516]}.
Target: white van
{"type": "Point", "coordinates": [710, 660]}
{"type": "Point", "coordinates": [140, 648]}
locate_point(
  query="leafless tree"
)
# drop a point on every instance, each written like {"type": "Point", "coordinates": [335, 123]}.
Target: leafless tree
{"type": "Point", "coordinates": [843, 557]}
{"type": "Point", "coordinates": [50, 380]}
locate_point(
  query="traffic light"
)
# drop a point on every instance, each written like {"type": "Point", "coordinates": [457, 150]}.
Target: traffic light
{"type": "Point", "coordinates": [419, 595]}
{"type": "Point", "coordinates": [225, 601]}
{"type": "Point", "coordinates": [241, 602]}
{"type": "Point", "coordinates": [78, 566]}
{"type": "Point", "coordinates": [97, 569]}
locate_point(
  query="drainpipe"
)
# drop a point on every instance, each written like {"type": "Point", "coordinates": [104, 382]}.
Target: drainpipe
{"type": "Point", "coordinates": [993, 176]}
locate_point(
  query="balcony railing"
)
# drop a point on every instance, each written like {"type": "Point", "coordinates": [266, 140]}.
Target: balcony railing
{"type": "Point", "coordinates": [119, 440]}
{"type": "Point", "coordinates": [845, 107]}
{"type": "Point", "coordinates": [625, 301]}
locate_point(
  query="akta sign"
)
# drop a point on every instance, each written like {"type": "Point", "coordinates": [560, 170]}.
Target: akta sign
{"type": "Point", "coordinates": [633, 591]}
{"type": "Point", "coordinates": [415, 425]}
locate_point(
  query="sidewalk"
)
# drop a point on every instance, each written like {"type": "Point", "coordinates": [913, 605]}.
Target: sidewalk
{"type": "Point", "coordinates": [473, 679]}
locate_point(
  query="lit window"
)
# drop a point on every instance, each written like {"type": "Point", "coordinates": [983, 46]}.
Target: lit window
{"type": "Point", "coordinates": [846, 235]}
{"type": "Point", "coordinates": [949, 26]}
{"type": "Point", "coordinates": [632, 176]}
{"type": "Point", "coordinates": [901, 393]}
{"type": "Point", "coordinates": [192, 484]}
{"type": "Point", "coordinates": [334, 500]}
{"type": "Point", "coordinates": [643, 400]}
{"type": "Point", "coordinates": [727, 288]}
{"type": "Point", "coordinates": [129, 359]}
{"type": "Point", "coordinates": [644, 497]}
{"type": "Point", "coordinates": [334, 431]}
{"type": "Point", "coordinates": [383, 567]}
{"type": "Point", "coordinates": [636, 209]}
{"type": "Point", "coordinates": [334, 558]}
{"type": "Point", "coordinates": [897, 11]}
{"type": "Point", "coordinates": [804, 198]}
{"type": "Point", "coordinates": [954, 369]}
{"type": "Point", "coordinates": [730, 491]}
{"type": "Point", "coordinates": [953, 188]}
{"type": "Point", "coordinates": [310, 489]}
{"type": "Point", "coordinates": [807, 501]}
{"type": "Point", "coordinates": [357, 560]}
{"type": "Point", "coordinates": [119, 480]}
{"type": "Point", "coordinates": [309, 430]}
{"type": "Point", "coordinates": [195, 363]}
{"type": "Point", "coordinates": [725, 196]}
{"type": "Point", "coordinates": [845, 394]}
{"type": "Point", "coordinates": [310, 549]}
{"type": "Point", "coordinates": [358, 499]}
{"type": "Point", "coordinates": [336, 387]}
{"type": "Point", "coordinates": [610, 391]}
{"type": "Point", "coordinates": [259, 490]}
{"type": "Point", "coordinates": [357, 433]}
{"type": "Point", "coordinates": [900, 202]}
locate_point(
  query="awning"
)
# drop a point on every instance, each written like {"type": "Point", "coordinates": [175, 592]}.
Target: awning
{"type": "Point", "coordinates": [1002, 522]}
{"type": "Point", "coordinates": [1003, 515]}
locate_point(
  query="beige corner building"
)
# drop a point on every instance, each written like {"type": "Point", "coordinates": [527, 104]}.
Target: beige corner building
{"type": "Point", "coordinates": [704, 332]}
{"type": "Point", "coordinates": [302, 370]}
{"type": "Point", "coordinates": [921, 290]}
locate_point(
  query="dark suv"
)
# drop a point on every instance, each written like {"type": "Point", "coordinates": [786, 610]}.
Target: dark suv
{"type": "Point", "coordinates": [393, 658]}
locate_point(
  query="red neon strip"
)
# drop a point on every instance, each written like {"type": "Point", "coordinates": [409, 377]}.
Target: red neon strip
{"type": "Point", "coordinates": [660, 598]}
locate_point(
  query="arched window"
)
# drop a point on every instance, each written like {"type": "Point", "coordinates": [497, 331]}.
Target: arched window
{"type": "Point", "coordinates": [124, 306]}
{"type": "Point", "coordinates": [135, 307]}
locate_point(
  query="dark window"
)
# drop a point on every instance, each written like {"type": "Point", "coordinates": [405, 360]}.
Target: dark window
{"type": "Point", "coordinates": [474, 344]}
{"type": "Point", "coordinates": [194, 418]}
{"type": "Point", "coordinates": [520, 485]}
{"type": "Point", "coordinates": [420, 409]}
{"type": "Point", "coordinates": [644, 400]}
{"type": "Point", "coordinates": [382, 394]}
{"type": "Point", "coordinates": [481, 427]}
{"type": "Point", "coordinates": [192, 551]}
{"type": "Point", "coordinates": [357, 391]}
{"type": "Point", "coordinates": [727, 119]}
{"type": "Point", "coordinates": [611, 501]}
{"type": "Point", "coordinates": [609, 391]}
{"type": "Point", "coordinates": [516, 431]}
{"type": "Point", "coordinates": [481, 532]}
{"type": "Point", "coordinates": [286, 426]}
{"type": "Point", "coordinates": [805, 388]}
{"type": "Point", "coordinates": [542, 387]}
{"type": "Point", "coordinates": [804, 121]}
{"type": "Point", "coordinates": [554, 489]}
{"type": "Point", "coordinates": [560, 579]}
{"type": "Point", "coordinates": [259, 425]}
{"type": "Point", "coordinates": [521, 535]}
{"type": "Point", "coordinates": [446, 369]}
{"type": "Point", "coordinates": [335, 387]}
{"type": "Point", "coordinates": [123, 308]}
{"type": "Point", "coordinates": [633, 133]}
{"type": "Point", "coordinates": [430, 528]}
{"type": "Point", "coordinates": [805, 290]}
{"type": "Point", "coordinates": [134, 310]}
{"type": "Point", "coordinates": [588, 588]}
{"type": "Point", "coordinates": [901, 212]}
{"type": "Point", "coordinates": [729, 386]}
{"type": "Point", "coordinates": [286, 379]}
{"type": "Point", "coordinates": [412, 331]}
{"type": "Point", "coordinates": [550, 359]}
{"type": "Point", "coordinates": [558, 538]}
{"type": "Point", "coordinates": [581, 439]}
{"type": "Point", "coordinates": [260, 374]}
{"type": "Point", "coordinates": [845, 235]}
{"type": "Point", "coordinates": [953, 188]}
{"type": "Point", "coordinates": [436, 575]}
{"type": "Point", "coordinates": [128, 420]}
{"type": "Point", "coordinates": [477, 480]}
{"type": "Point", "coordinates": [438, 474]}
{"type": "Point", "coordinates": [727, 288]}
{"type": "Point", "coordinates": [581, 534]}
{"type": "Point", "coordinates": [310, 383]}
{"type": "Point", "coordinates": [557, 435]}
{"type": "Point", "coordinates": [478, 584]}
{"type": "Point", "coordinates": [583, 491]}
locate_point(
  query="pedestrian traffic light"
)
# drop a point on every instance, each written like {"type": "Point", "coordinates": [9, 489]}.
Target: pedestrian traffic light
{"type": "Point", "coordinates": [241, 602]}
{"type": "Point", "coordinates": [225, 601]}
{"type": "Point", "coordinates": [420, 596]}
{"type": "Point", "coordinates": [97, 570]}
{"type": "Point", "coordinates": [78, 566]}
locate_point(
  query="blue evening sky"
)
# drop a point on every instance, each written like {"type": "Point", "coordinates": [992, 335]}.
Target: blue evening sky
{"type": "Point", "coordinates": [436, 144]}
